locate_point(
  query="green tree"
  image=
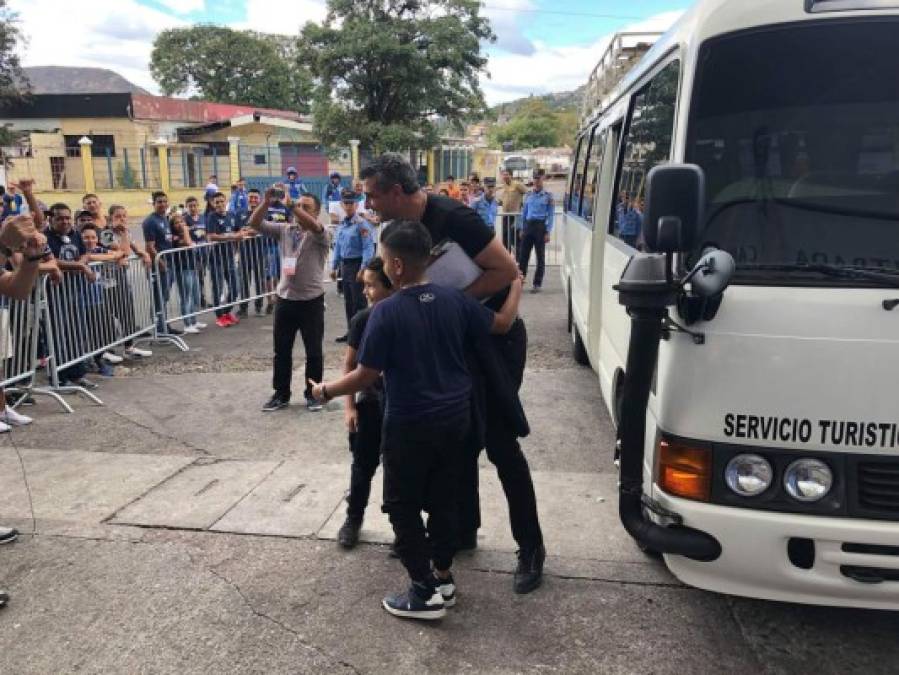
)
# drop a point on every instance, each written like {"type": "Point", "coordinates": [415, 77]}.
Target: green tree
{"type": "Point", "coordinates": [536, 125]}
{"type": "Point", "coordinates": [228, 66]}
{"type": "Point", "coordinates": [387, 69]}
{"type": "Point", "coordinates": [14, 83]}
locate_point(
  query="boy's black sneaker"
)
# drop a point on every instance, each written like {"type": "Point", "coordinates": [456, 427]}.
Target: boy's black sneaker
{"type": "Point", "coordinates": [419, 602]}
{"type": "Point", "coordinates": [4, 598]}
{"type": "Point", "coordinates": [447, 590]}
{"type": "Point", "coordinates": [348, 535]}
{"type": "Point", "coordinates": [276, 402]}
{"type": "Point", "coordinates": [342, 338]}
{"type": "Point", "coordinates": [529, 573]}
{"type": "Point", "coordinates": [8, 535]}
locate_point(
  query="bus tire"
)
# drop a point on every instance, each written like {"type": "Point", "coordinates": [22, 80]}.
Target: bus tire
{"type": "Point", "coordinates": [570, 315]}
{"type": "Point", "coordinates": [578, 350]}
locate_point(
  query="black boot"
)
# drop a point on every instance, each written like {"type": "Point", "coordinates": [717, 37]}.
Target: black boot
{"type": "Point", "coordinates": [348, 535]}
{"type": "Point", "coordinates": [529, 573]}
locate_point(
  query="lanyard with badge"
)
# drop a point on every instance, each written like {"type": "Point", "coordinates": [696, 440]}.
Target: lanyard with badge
{"type": "Point", "coordinates": [291, 239]}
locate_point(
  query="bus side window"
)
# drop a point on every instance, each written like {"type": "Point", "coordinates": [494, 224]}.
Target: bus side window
{"type": "Point", "coordinates": [570, 201]}
{"type": "Point", "coordinates": [647, 144]}
{"type": "Point", "coordinates": [574, 197]}
{"type": "Point", "coordinates": [591, 187]}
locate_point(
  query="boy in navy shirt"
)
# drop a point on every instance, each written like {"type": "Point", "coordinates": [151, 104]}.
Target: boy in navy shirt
{"type": "Point", "coordinates": [223, 226]}
{"type": "Point", "coordinates": [417, 338]}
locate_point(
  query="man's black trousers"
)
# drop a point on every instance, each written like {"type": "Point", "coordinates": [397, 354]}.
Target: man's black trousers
{"type": "Point", "coordinates": [421, 473]}
{"type": "Point", "coordinates": [307, 317]}
{"type": "Point", "coordinates": [365, 444]}
{"type": "Point", "coordinates": [504, 451]}
{"type": "Point", "coordinates": [353, 299]}
{"type": "Point", "coordinates": [533, 237]}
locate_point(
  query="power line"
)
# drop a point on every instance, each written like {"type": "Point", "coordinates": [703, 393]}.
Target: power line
{"type": "Point", "coordinates": [499, 8]}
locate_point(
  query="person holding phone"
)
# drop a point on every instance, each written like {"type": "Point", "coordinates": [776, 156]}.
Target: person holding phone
{"type": "Point", "coordinates": [301, 293]}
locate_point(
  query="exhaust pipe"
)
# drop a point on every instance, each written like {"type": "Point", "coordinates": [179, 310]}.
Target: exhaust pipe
{"type": "Point", "coordinates": [646, 289]}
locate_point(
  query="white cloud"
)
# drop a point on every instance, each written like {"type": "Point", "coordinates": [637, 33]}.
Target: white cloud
{"type": "Point", "coordinates": [97, 33]}
{"type": "Point", "coordinates": [505, 20]}
{"type": "Point", "coordinates": [554, 69]}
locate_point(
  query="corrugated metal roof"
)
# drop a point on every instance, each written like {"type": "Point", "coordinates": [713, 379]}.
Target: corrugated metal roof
{"type": "Point", "coordinates": [160, 108]}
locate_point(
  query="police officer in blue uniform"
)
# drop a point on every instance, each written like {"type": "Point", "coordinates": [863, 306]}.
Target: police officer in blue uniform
{"type": "Point", "coordinates": [354, 246]}
{"type": "Point", "coordinates": [486, 205]}
{"type": "Point", "coordinates": [537, 224]}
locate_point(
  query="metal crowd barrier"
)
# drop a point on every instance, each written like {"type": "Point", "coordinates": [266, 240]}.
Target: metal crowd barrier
{"type": "Point", "coordinates": [218, 277]}
{"type": "Point", "coordinates": [84, 317]}
{"type": "Point", "coordinates": [508, 226]}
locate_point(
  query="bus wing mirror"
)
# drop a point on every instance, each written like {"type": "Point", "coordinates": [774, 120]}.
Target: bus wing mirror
{"type": "Point", "coordinates": [675, 198]}
{"type": "Point", "coordinates": [712, 273]}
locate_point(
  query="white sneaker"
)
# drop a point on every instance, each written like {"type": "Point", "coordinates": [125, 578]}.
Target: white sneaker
{"type": "Point", "coordinates": [137, 351]}
{"type": "Point", "coordinates": [110, 357]}
{"type": "Point", "coordinates": [4, 428]}
{"type": "Point", "coordinates": [200, 325]}
{"type": "Point", "coordinates": [192, 330]}
{"type": "Point", "coordinates": [12, 418]}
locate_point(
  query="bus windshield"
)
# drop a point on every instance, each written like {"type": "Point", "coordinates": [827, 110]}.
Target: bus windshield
{"type": "Point", "coordinates": [797, 130]}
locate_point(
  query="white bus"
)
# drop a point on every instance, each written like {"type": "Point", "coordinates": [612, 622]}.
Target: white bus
{"type": "Point", "coordinates": [772, 424]}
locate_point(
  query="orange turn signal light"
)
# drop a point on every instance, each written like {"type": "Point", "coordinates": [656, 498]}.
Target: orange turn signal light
{"type": "Point", "coordinates": [684, 471]}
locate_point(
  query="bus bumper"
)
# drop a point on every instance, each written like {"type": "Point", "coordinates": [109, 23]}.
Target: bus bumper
{"type": "Point", "coordinates": [755, 563]}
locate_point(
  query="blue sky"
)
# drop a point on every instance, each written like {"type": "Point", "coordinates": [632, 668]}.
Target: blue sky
{"type": "Point", "coordinates": [542, 45]}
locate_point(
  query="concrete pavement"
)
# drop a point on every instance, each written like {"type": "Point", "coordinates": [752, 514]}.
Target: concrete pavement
{"type": "Point", "coordinates": [178, 529]}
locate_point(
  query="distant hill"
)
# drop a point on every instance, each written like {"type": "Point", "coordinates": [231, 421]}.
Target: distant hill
{"type": "Point", "coordinates": [73, 80]}
{"type": "Point", "coordinates": [566, 100]}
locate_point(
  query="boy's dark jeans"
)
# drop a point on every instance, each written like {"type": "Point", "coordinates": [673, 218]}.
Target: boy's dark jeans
{"type": "Point", "coordinates": [365, 444]}
{"type": "Point", "coordinates": [307, 317]}
{"type": "Point", "coordinates": [421, 466]}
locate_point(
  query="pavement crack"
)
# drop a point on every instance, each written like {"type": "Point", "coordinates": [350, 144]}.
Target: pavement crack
{"type": "Point", "coordinates": [759, 659]}
{"type": "Point", "coordinates": [157, 434]}
{"type": "Point", "coordinates": [273, 620]}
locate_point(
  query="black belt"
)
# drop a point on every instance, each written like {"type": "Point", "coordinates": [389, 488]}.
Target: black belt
{"type": "Point", "coordinates": [352, 260]}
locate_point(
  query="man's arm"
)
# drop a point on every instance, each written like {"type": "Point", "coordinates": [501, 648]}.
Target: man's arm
{"type": "Point", "coordinates": [551, 216]}
{"type": "Point", "coordinates": [356, 380]}
{"type": "Point", "coordinates": [18, 283]}
{"type": "Point", "coordinates": [505, 317]}
{"type": "Point", "coordinates": [499, 267]}
{"type": "Point", "coordinates": [350, 413]}
{"type": "Point", "coordinates": [26, 185]}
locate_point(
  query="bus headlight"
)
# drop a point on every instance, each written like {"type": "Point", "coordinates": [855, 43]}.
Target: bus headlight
{"type": "Point", "coordinates": [748, 475]}
{"type": "Point", "coordinates": [808, 480]}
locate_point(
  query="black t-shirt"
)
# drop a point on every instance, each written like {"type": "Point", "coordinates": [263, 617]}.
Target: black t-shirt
{"type": "Point", "coordinates": [67, 247]}
{"type": "Point", "coordinates": [446, 218]}
{"type": "Point", "coordinates": [354, 340]}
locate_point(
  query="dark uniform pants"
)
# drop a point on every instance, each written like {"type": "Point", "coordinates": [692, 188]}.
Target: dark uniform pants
{"type": "Point", "coordinates": [504, 451]}
{"type": "Point", "coordinates": [533, 237]}
{"type": "Point", "coordinates": [365, 444]}
{"type": "Point", "coordinates": [307, 317]}
{"type": "Point", "coordinates": [353, 298]}
{"type": "Point", "coordinates": [421, 473]}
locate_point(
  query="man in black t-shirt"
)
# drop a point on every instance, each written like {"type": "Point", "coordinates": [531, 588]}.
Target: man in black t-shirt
{"type": "Point", "coordinates": [393, 191]}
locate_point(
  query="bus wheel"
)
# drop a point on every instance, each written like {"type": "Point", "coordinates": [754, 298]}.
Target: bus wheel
{"type": "Point", "coordinates": [578, 350]}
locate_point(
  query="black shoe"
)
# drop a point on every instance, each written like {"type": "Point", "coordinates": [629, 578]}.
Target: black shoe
{"type": "Point", "coordinates": [535, 289]}
{"type": "Point", "coordinates": [348, 536]}
{"type": "Point", "coordinates": [342, 338]}
{"type": "Point", "coordinates": [276, 402]}
{"type": "Point", "coordinates": [8, 535]}
{"type": "Point", "coordinates": [4, 598]}
{"type": "Point", "coordinates": [314, 406]}
{"type": "Point", "coordinates": [414, 605]}
{"type": "Point", "coordinates": [447, 590]}
{"type": "Point", "coordinates": [467, 541]}
{"type": "Point", "coordinates": [529, 573]}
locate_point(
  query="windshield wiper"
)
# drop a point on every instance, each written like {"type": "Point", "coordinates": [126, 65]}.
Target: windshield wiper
{"type": "Point", "coordinates": [879, 274]}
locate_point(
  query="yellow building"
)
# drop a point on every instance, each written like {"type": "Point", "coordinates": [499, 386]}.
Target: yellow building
{"type": "Point", "coordinates": [144, 142]}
